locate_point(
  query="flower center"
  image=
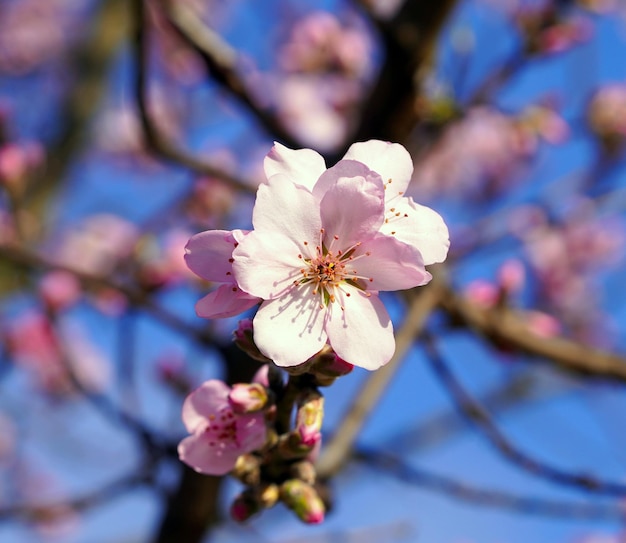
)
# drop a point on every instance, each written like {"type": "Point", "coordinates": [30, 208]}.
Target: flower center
{"type": "Point", "coordinates": [328, 270]}
{"type": "Point", "coordinates": [222, 429]}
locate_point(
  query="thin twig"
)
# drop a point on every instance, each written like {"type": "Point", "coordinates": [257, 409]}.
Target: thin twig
{"type": "Point", "coordinates": [35, 262]}
{"type": "Point", "coordinates": [531, 505]}
{"type": "Point", "coordinates": [478, 416]}
{"type": "Point", "coordinates": [156, 140]}
{"type": "Point", "coordinates": [221, 61]}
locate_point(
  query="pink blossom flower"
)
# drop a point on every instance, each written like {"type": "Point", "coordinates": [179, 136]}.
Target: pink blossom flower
{"type": "Point", "coordinates": [209, 255]}
{"type": "Point", "coordinates": [319, 262]}
{"type": "Point", "coordinates": [219, 436]}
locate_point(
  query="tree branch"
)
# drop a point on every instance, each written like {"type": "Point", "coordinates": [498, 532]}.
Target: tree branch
{"type": "Point", "coordinates": [504, 326]}
{"type": "Point", "coordinates": [480, 419]}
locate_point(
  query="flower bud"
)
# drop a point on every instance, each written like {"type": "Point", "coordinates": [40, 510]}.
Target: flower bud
{"type": "Point", "coordinates": [303, 470]}
{"type": "Point", "coordinates": [243, 507]}
{"type": "Point", "coordinates": [268, 494]}
{"type": "Point", "coordinates": [303, 500]}
{"type": "Point", "coordinates": [247, 398]}
{"type": "Point", "coordinates": [247, 469]}
{"type": "Point", "coordinates": [309, 418]}
{"type": "Point", "coordinates": [244, 339]}
{"type": "Point", "coordinates": [327, 366]}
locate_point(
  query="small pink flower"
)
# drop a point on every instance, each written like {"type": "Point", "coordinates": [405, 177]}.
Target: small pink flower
{"type": "Point", "coordinates": [219, 435]}
{"type": "Point", "coordinates": [209, 255]}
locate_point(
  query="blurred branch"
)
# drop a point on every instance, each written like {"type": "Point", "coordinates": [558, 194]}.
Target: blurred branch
{"type": "Point", "coordinates": [140, 298]}
{"type": "Point", "coordinates": [90, 63]}
{"type": "Point", "coordinates": [478, 416]}
{"type": "Point", "coordinates": [46, 512]}
{"type": "Point", "coordinates": [504, 326]}
{"type": "Point", "coordinates": [221, 61]}
{"type": "Point", "coordinates": [408, 40]}
{"type": "Point", "coordinates": [391, 465]}
{"type": "Point", "coordinates": [337, 451]}
{"type": "Point", "coordinates": [156, 140]}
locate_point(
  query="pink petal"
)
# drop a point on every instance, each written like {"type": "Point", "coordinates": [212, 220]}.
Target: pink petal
{"type": "Point", "coordinates": [207, 399]}
{"type": "Point", "coordinates": [207, 254]}
{"type": "Point", "coordinates": [197, 452]}
{"type": "Point", "coordinates": [288, 209]}
{"type": "Point", "coordinates": [419, 226]}
{"type": "Point", "coordinates": [251, 432]}
{"type": "Point", "coordinates": [302, 166]}
{"type": "Point", "coordinates": [267, 263]}
{"type": "Point", "coordinates": [352, 209]}
{"type": "Point", "coordinates": [225, 301]}
{"type": "Point", "coordinates": [391, 264]}
{"type": "Point", "coordinates": [390, 160]}
{"type": "Point", "coordinates": [362, 333]}
{"type": "Point", "coordinates": [290, 330]}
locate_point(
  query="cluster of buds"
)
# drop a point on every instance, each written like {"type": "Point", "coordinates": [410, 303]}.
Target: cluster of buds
{"type": "Point", "coordinates": [249, 430]}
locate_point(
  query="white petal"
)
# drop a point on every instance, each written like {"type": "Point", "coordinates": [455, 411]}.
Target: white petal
{"type": "Point", "coordinates": [418, 226]}
{"type": "Point", "coordinates": [284, 208]}
{"type": "Point", "coordinates": [267, 264]}
{"type": "Point", "coordinates": [390, 160]}
{"type": "Point", "coordinates": [362, 333]}
{"type": "Point", "coordinates": [388, 264]}
{"type": "Point", "coordinates": [290, 330]}
{"type": "Point", "coordinates": [301, 166]}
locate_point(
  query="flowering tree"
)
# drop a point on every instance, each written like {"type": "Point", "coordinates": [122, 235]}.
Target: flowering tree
{"type": "Point", "coordinates": [369, 204]}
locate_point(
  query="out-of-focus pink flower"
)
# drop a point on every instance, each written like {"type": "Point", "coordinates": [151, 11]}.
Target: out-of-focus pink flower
{"type": "Point", "coordinates": [219, 435]}
{"type": "Point", "coordinates": [17, 160]}
{"type": "Point", "coordinates": [475, 157]}
{"type": "Point", "coordinates": [36, 346]}
{"type": "Point", "coordinates": [320, 43]}
{"type": "Point", "coordinates": [317, 112]}
{"type": "Point", "coordinates": [564, 35]}
{"type": "Point", "coordinates": [482, 292]}
{"type": "Point", "coordinates": [59, 289]}
{"type": "Point", "coordinates": [33, 32]}
{"type": "Point", "coordinates": [97, 245]}
{"type": "Point", "coordinates": [210, 255]}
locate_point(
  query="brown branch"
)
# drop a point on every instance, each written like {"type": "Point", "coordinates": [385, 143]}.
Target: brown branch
{"type": "Point", "coordinates": [480, 419]}
{"type": "Point", "coordinates": [155, 140]}
{"type": "Point", "coordinates": [51, 510]}
{"type": "Point", "coordinates": [503, 326]}
{"type": "Point", "coordinates": [337, 451]}
{"type": "Point", "coordinates": [407, 474]}
{"type": "Point", "coordinates": [32, 261]}
{"type": "Point", "coordinates": [90, 61]}
{"type": "Point", "coordinates": [409, 39]}
{"type": "Point", "coordinates": [221, 60]}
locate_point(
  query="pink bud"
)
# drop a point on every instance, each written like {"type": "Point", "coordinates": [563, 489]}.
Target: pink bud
{"type": "Point", "coordinates": [327, 364]}
{"type": "Point", "coordinates": [247, 397]}
{"type": "Point", "coordinates": [309, 418]}
{"type": "Point", "coordinates": [511, 276]}
{"type": "Point", "coordinates": [244, 339]}
{"type": "Point", "coordinates": [303, 500]}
